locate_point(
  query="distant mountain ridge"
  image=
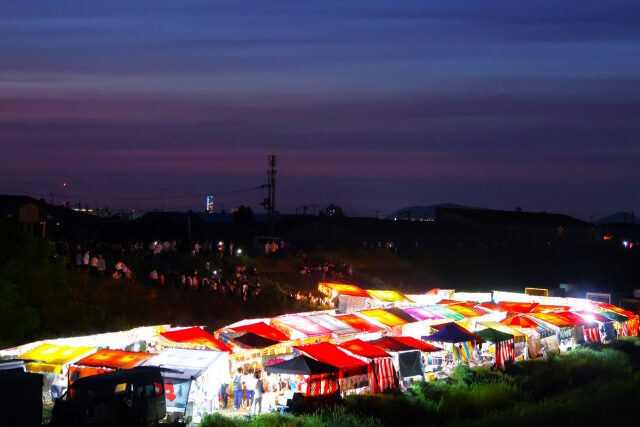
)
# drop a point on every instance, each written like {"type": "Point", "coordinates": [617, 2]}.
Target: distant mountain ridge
{"type": "Point", "coordinates": [618, 218]}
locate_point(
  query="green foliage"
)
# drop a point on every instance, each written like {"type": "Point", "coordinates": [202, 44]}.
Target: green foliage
{"type": "Point", "coordinates": [333, 416]}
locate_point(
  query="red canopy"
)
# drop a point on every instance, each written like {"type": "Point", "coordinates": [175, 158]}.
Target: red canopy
{"type": "Point", "coordinates": [116, 359]}
{"type": "Point", "coordinates": [417, 344]}
{"type": "Point", "coordinates": [195, 335]}
{"type": "Point", "coordinates": [263, 330]}
{"type": "Point", "coordinates": [364, 349]}
{"type": "Point", "coordinates": [520, 321]}
{"type": "Point", "coordinates": [542, 308]}
{"type": "Point", "coordinates": [518, 307]}
{"type": "Point", "coordinates": [392, 344]}
{"type": "Point", "coordinates": [359, 323]}
{"type": "Point", "coordinates": [332, 355]}
{"type": "Point", "coordinates": [491, 306]}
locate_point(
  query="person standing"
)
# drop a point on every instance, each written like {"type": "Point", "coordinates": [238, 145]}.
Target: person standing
{"type": "Point", "coordinates": [102, 265]}
{"type": "Point", "coordinates": [224, 394]}
{"type": "Point", "coordinates": [257, 400]}
{"type": "Point", "coordinates": [237, 389]}
{"type": "Point", "coordinates": [250, 384]}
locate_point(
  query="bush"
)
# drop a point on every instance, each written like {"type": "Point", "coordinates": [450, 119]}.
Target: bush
{"type": "Point", "coordinates": [477, 400]}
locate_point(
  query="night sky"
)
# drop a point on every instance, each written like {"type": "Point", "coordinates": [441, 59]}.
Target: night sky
{"type": "Point", "coordinates": [369, 104]}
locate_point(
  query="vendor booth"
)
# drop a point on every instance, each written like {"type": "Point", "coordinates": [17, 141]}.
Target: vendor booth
{"type": "Point", "coordinates": [53, 362]}
{"type": "Point", "coordinates": [382, 374]}
{"type": "Point", "coordinates": [313, 383]}
{"type": "Point", "coordinates": [353, 372]}
{"type": "Point", "coordinates": [192, 380]}
{"type": "Point", "coordinates": [105, 361]}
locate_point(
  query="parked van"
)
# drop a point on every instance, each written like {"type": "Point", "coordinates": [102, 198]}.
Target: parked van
{"type": "Point", "coordinates": [129, 397]}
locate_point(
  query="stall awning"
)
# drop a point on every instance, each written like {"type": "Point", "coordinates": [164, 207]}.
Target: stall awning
{"type": "Point", "coordinates": [115, 359]}
{"type": "Point", "coordinates": [388, 296]}
{"type": "Point", "coordinates": [499, 327]}
{"type": "Point", "coordinates": [359, 323]}
{"type": "Point", "coordinates": [189, 364]}
{"type": "Point", "coordinates": [51, 357]}
{"type": "Point", "coordinates": [491, 306]}
{"type": "Point", "coordinates": [444, 311]}
{"type": "Point", "coordinates": [616, 317]}
{"type": "Point", "coordinates": [251, 340]}
{"type": "Point", "coordinates": [384, 317]}
{"type": "Point", "coordinates": [544, 308]}
{"type": "Point", "coordinates": [592, 316]}
{"type": "Point", "coordinates": [552, 319]}
{"type": "Point", "coordinates": [195, 335]}
{"type": "Point", "coordinates": [422, 313]}
{"type": "Point", "coordinates": [334, 289]}
{"type": "Point", "coordinates": [401, 314]}
{"type": "Point", "coordinates": [363, 349]}
{"type": "Point", "coordinates": [332, 355]}
{"type": "Point", "coordinates": [518, 307]}
{"type": "Point", "coordinates": [467, 311]}
{"type": "Point", "coordinates": [519, 321]}
{"type": "Point", "coordinates": [493, 335]}
{"type": "Point", "coordinates": [391, 344]}
{"type": "Point", "coordinates": [301, 365]}
{"type": "Point", "coordinates": [263, 330]}
{"type": "Point", "coordinates": [303, 325]}
{"type": "Point", "coordinates": [417, 344]}
{"type": "Point", "coordinates": [335, 325]}
{"type": "Point", "coordinates": [451, 333]}
{"type": "Point", "coordinates": [575, 318]}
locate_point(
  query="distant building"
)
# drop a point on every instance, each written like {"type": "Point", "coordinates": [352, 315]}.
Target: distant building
{"type": "Point", "coordinates": [332, 210]}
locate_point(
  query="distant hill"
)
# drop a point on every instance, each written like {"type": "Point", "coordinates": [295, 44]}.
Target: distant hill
{"type": "Point", "coordinates": [425, 213]}
{"type": "Point", "coordinates": [618, 218]}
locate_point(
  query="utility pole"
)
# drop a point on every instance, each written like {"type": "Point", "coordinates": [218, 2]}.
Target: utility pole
{"type": "Point", "coordinates": [270, 202]}
{"type": "Point", "coordinates": [377, 212]}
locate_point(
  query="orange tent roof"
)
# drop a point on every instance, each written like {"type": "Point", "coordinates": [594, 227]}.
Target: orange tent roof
{"type": "Point", "coordinates": [384, 317]}
{"type": "Point", "coordinates": [388, 296]}
{"type": "Point", "coordinates": [541, 308]}
{"type": "Point", "coordinates": [342, 289]}
{"type": "Point", "coordinates": [491, 306]}
{"type": "Point", "coordinates": [553, 319]}
{"type": "Point", "coordinates": [466, 311]}
{"type": "Point", "coordinates": [520, 321]}
{"type": "Point", "coordinates": [518, 307]}
{"type": "Point", "coordinates": [195, 335]}
{"type": "Point", "coordinates": [363, 349]}
{"type": "Point", "coordinates": [116, 359]}
{"type": "Point", "coordinates": [359, 323]}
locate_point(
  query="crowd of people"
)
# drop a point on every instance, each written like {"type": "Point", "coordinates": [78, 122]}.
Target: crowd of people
{"type": "Point", "coordinates": [161, 264]}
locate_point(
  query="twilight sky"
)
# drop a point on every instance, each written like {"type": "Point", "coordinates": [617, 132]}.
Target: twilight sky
{"type": "Point", "coordinates": [369, 104]}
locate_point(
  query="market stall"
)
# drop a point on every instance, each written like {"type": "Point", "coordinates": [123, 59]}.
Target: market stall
{"type": "Point", "coordinates": [312, 383]}
{"type": "Point", "coordinates": [192, 380]}
{"type": "Point", "coordinates": [382, 374]}
{"type": "Point", "coordinates": [353, 372]}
